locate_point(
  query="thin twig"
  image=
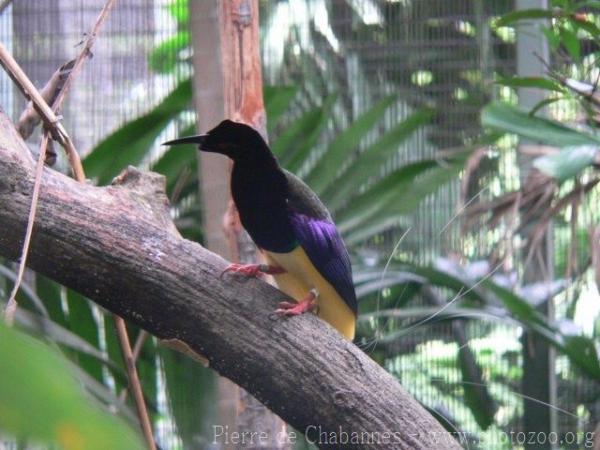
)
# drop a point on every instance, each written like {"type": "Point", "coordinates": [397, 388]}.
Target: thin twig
{"type": "Point", "coordinates": [85, 52]}
{"type": "Point", "coordinates": [51, 121]}
{"type": "Point", "coordinates": [134, 381]}
{"type": "Point", "coordinates": [573, 247]}
{"type": "Point", "coordinates": [570, 84]}
{"type": "Point", "coordinates": [11, 306]}
{"type": "Point", "coordinates": [575, 86]}
{"type": "Point", "coordinates": [29, 118]}
{"type": "Point", "coordinates": [137, 349]}
{"type": "Point", "coordinates": [511, 231]}
{"type": "Point", "coordinates": [538, 232]}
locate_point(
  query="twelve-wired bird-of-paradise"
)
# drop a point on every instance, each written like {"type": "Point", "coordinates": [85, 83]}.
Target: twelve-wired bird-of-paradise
{"type": "Point", "coordinates": [289, 224]}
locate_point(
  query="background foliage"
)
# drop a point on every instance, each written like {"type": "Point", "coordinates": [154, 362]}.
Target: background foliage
{"type": "Point", "coordinates": [445, 320]}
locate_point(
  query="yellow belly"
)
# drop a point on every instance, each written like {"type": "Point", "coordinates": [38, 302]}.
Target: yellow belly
{"type": "Point", "coordinates": [300, 277]}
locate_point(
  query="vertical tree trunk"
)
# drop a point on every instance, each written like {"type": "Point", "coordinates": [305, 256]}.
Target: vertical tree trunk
{"type": "Point", "coordinates": [539, 380]}
{"type": "Point", "coordinates": [213, 169]}
{"type": "Point", "coordinates": [228, 84]}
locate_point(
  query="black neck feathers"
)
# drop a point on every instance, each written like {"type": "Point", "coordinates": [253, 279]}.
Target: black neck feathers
{"type": "Point", "coordinates": [260, 191]}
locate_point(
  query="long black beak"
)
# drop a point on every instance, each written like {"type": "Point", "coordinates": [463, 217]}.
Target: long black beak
{"type": "Point", "coordinates": [198, 139]}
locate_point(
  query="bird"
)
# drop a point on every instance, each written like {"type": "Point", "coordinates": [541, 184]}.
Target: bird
{"type": "Point", "coordinates": [294, 232]}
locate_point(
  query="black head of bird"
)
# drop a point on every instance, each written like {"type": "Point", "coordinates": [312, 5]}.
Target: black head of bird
{"type": "Point", "coordinates": [258, 184]}
{"type": "Point", "coordinates": [232, 139]}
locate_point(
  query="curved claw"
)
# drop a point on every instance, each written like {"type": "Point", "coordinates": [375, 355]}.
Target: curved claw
{"type": "Point", "coordinates": [307, 304]}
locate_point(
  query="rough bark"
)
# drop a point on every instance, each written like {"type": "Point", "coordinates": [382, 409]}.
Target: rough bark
{"type": "Point", "coordinates": [114, 245]}
{"type": "Point", "coordinates": [243, 102]}
{"type": "Point", "coordinates": [225, 32]}
{"type": "Point", "coordinates": [213, 168]}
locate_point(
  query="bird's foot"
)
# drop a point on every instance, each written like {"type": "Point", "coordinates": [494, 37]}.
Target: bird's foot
{"type": "Point", "coordinates": [307, 304]}
{"type": "Point", "coordinates": [253, 270]}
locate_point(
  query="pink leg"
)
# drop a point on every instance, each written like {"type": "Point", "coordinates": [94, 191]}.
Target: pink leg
{"type": "Point", "coordinates": [253, 270]}
{"type": "Point", "coordinates": [308, 303]}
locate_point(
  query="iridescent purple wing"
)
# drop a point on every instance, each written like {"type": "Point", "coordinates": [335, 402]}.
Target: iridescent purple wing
{"type": "Point", "coordinates": [326, 250]}
{"type": "Point", "coordinates": [318, 236]}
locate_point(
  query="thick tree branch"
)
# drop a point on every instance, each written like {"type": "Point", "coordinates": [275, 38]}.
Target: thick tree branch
{"type": "Point", "coordinates": [116, 245]}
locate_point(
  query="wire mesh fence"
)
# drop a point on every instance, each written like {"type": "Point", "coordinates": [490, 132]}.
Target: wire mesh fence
{"type": "Point", "coordinates": [434, 53]}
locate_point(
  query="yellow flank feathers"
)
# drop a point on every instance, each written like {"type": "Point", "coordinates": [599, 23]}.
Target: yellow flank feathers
{"type": "Point", "coordinates": [300, 277]}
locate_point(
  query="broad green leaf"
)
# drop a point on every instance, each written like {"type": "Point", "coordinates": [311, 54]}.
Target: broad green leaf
{"type": "Point", "coordinates": [436, 277]}
{"type": "Point", "coordinates": [400, 288]}
{"type": "Point", "coordinates": [104, 394]}
{"type": "Point", "coordinates": [130, 143]}
{"type": "Point", "coordinates": [587, 4]}
{"type": "Point", "coordinates": [58, 334]}
{"type": "Point", "coordinates": [588, 26]}
{"type": "Point", "coordinates": [191, 391]}
{"type": "Point", "coordinates": [522, 311]}
{"type": "Point", "coordinates": [532, 82]}
{"type": "Point", "coordinates": [380, 194]}
{"type": "Point", "coordinates": [362, 231]}
{"type": "Point", "coordinates": [296, 142]}
{"type": "Point", "coordinates": [552, 36]}
{"type": "Point", "coordinates": [376, 282]}
{"type": "Point", "coordinates": [295, 135]}
{"type": "Point", "coordinates": [164, 58]}
{"type": "Point", "coordinates": [298, 157]}
{"type": "Point", "coordinates": [277, 101]}
{"type": "Point", "coordinates": [398, 297]}
{"type": "Point", "coordinates": [50, 293]}
{"type": "Point", "coordinates": [180, 11]}
{"type": "Point", "coordinates": [328, 166]}
{"type": "Point", "coordinates": [571, 42]}
{"type": "Point", "coordinates": [579, 349]}
{"type": "Point", "coordinates": [83, 323]}
{"type": "Point", "coordinates": [543, 103]}
{"type": "Point", "coordinates": [404, 200]}
{"type": "Point", "coordinates": [477, 395]}
{"type": "Point", "coordinates": [568, 163]}
{"type": "Point", "coordinates": [176, 159]}
{"type": "Point", "coordinates": [510, 119]}
{"type": "Point", "coordinates": [369, 162]}
{"type": "Point", "coordinates": [523, 14]}
{"type": "Point", "coordinates": [41, 400]}
{"type": "Point", "coordinates": [369, 274]}
{"type": "Point", "coordinates": [518, 307]}
{"type": "Point", "coordinates": [564, 4]}
{"type": "Point", "coordinates": [582, 351]}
